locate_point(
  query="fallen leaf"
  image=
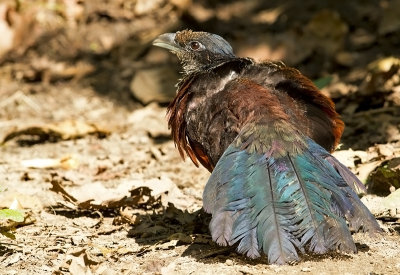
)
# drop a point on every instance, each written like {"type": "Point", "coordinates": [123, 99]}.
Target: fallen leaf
{"type": "Point", "coordinates": [14, 216]}
{"type": "Point", "coordinates": [78, 261]}
{"type": "Point", "coordinates": [386, 150]}
{"type": "Point", "coordinates": [51, 71]}
{"type": "Point", "coordinates": [383, 76]}
{"type": "Point", "coordinates": [16, 205]}
{"type": "Point", "coordinates": [165, 189]}
{"type": "Point", "coordinates": [345, 58]}
{"type": "Point", "coordinates": [147, 230]}
{"type": "Point", "coordinates": [57, 187]}
{"type": "Point", "coordinates": [126, 216]}
{"type": "Point", "coordinates": [362, 39]}
{"type": "Point", "coordinates": [69, 129]}
{"type": "Point", "coordinates": [18, 29]}
{"type": "Point", "coordinates": [383, 65]}
{"type": "Point", "coordinates": [12, 259]}
{"type": "Point", "coordinates": [135, 193]}
{"type": "Point", "coordinates": [183, 217]}
{"type": "Point", "coordinates": [393, 201]}
{"type": "Point", "coordinates": [11, 214]}
{"type": "Point", "coordinates": [364, 170]}
{"type": "Point", "coordinates": [69, 162]}
{"type": "Point", "coordinates": [170, 269]}
{"type": "Point", "coordinates": [323, 81]}
{"type": "Point", "coordinates": [181, 237]}
{"type": "Point", "coordinates": [349, 157]}
{"type": "Point", "coordinates": [10, 219]}
{"type": "Point", "coordinates": [6, 43]}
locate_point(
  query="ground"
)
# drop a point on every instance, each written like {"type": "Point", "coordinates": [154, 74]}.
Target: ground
{"type": "Point", "coordinates": [89, 158]}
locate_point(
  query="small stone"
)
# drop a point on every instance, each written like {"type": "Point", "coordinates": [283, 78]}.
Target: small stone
{"type": "Point", "coordinates": [155, 84]}
{"type": "Point", "coordinates": [306, 269]}
{"type": "Point", "coordinates": [229, 262]}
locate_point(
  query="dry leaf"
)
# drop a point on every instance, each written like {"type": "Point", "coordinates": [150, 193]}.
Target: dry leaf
{"type": "Point", "coordinates": [16, 205]}
{"type": "Point", "coordinates": [69, 162]}
{"type": "Point", "coordinates": [78, 261]}
{"type": "Point", "coordinates": [59, 189]}
{"type": "Point", "coordinates": [393, 201]}
{"type": "Point", "coordinates": [364, 170]}
{"type": "Point", "coordinates": [348, 157]}
{"type": "Point", "coordinates": [181, 237]}
{"type": "Point", "coordinates": [383, 75]}
{"type": "Point", "coordinates": [126, 216]}
{"type": "Point", "coordinates": [7, 33]}
{"type": "Point", "coordinates": [18, 29]}
{"type": "Point", "coordinates": [69, 129]}
{"type": "Point", "coordinates": [135, 193]}
{"type": "Point", "coordinates": [165, 189]}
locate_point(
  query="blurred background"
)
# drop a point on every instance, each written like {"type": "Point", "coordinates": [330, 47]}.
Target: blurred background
{"type": "Point", "coordinates": [83, 98]}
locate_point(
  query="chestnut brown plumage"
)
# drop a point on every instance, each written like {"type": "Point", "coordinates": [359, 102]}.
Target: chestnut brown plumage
{"type": "Point", "coordinates": [265, 132]}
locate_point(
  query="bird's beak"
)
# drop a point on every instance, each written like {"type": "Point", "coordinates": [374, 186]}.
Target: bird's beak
{"type": "Point", "coordinates": [167, 40]}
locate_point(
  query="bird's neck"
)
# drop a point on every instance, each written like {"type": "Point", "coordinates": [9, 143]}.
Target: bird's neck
{"type": "Point", "coordinates": [191, 68]}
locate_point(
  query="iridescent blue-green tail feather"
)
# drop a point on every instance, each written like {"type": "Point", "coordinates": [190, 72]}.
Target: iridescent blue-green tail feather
{"type": "Point", "coordinates": [282, 201]}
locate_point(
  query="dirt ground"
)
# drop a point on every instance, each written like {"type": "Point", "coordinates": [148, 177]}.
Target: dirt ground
{"type": "Point", "coordinates": [86, 153]}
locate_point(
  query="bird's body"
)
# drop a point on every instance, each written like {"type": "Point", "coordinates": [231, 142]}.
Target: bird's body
{"type": "Point", "coordinates": [265, 132]}
{"type": "Point", "coordinates": [212, 107]}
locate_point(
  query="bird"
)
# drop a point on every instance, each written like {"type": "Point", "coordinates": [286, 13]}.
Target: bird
{"type": "Point", "coordinates": [266, 134]}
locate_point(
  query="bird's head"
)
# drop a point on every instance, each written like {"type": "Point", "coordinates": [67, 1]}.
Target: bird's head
{"type": "Point", "coordinates": [196, 50]}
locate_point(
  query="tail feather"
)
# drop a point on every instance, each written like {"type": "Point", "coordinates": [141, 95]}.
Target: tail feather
{"type": "Point", "coordinates": [356, 213]}
{"type": "Point", "coordinates": [283, 204]}
{"type": "Point", "coordinates": [222, 223]}
{"type": "Point", "coordinates": [346, 175]}
{"type": "Point", "coordinates": [313, 194]}
{"type": "Point", "coordinates": [350, 179]}
{"type": "Point", "coordinates": [216, 196]}
{"type": "Point", "coordinates": [262, 220]}
{"type": "Point", "coordinates": [247, 235]}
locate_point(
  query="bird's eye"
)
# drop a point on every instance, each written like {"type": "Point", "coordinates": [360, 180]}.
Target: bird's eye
{"type": "Point", "coordinates": [195, 46]}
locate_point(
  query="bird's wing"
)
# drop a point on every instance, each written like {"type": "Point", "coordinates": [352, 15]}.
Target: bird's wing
{"type": "Point", "coordinates": [322, 123]}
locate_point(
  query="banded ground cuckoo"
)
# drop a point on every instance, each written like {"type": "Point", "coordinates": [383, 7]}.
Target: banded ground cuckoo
{"type": "Point", "coordinates": [265, 132]}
